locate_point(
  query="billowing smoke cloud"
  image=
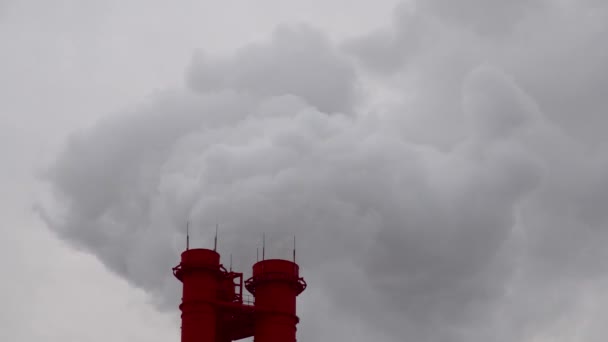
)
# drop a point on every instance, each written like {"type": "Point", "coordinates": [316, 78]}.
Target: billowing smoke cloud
{"type": "Point", "coordinates": [461, 200]}
{"type": "Point", "coordinates": [324, 80]}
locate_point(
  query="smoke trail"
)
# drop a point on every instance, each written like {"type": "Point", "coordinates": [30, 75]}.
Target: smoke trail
{"type": "Point", "coordinates": [438, 239]}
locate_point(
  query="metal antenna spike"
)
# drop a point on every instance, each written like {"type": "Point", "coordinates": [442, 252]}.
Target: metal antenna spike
{"type": "Point", "coordinates": [188, 235]}
{"type": "Point", "coordinates": [257, 254]}
{"type": "Point", "coordinates": [294, 248]}
{"type": "Point", "coordinates": [230, 262]}
{"type": "Point", "coordinates": [263, 246]}
{"type": "Point", "coordinates": [215, 240]}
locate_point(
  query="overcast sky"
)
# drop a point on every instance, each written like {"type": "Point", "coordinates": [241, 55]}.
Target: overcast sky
{"type": "Point", "coordinates": [442, 163]}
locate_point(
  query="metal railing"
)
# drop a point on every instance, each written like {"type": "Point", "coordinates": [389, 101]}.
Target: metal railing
{"type": "Point", "coordinates": [248, 299]}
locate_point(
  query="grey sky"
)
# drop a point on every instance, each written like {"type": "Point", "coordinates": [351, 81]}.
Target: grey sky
{"type": "Point", "coordinates": [449, 159]}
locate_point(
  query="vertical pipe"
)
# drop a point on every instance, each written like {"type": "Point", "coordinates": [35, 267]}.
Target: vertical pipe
{"type": "Point", "coordinates": [199, 273]}
{"type": "Point", "coordinates": [275, 285]}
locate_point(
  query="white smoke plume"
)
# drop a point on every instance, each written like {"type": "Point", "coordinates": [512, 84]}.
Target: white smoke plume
{"type": "Point", "coordinates": [444, 183]}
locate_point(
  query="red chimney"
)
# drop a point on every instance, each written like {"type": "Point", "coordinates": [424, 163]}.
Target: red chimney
{"type": "Point", "coordinates": [213, 309]}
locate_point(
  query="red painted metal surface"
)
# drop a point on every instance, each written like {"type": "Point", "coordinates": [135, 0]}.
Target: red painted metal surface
{"type": "Point", "coordinates": [215, 310]}
{"type": "Point", "coordinates": [275, 284]}
{"type": "Point", "coordinates": [199, 273]}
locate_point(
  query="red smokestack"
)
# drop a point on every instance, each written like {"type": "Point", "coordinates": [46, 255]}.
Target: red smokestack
{"type": "Point", "coordinates": [199, 272]}
{"type": "Point", "coordinates": [275, 285]}
{"type": "Point", "coordinates": [212, 304]}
